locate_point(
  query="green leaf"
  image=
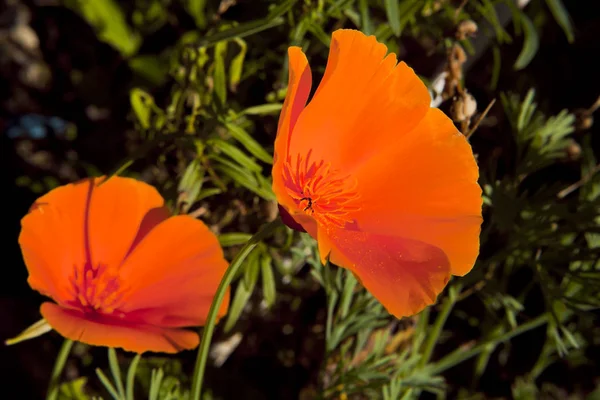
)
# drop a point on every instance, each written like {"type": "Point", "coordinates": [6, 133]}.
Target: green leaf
{"type": "Point", "coordinates": [245, 179]}
{"type": "Point", "coordinates": [235, 154]}
{"type": "Point", "coordinates": [240, 298]}
{"type": "Point", "coordinates": [155, 381]}
{"type": "Point", "coordinates": [268, 279]}
{"type": "Point", "coordinates": [235, 171]}
{"type": "Point", "coordinates": [233, 239]}
{"type": "Point", "coordinates": [35, 330]}
{"type": "Point", "coordinates": [531, 43]}
{"type": "Point", "coordinates": [115, 370]}
{"type": "Point", "coordinates": [249, 143]}
{"type": "Point", "coordinates": [150, 67]}
{"type": "Point", "coordinates": [561, 15]}
{"type": "Point", "coordinates": [251, 271]}
{"type": "Point", "coordinates": [235, 68]}
{"type": "Point", "coordinates": [264, 109]}
{"type": "Point", "coordinates": [196, 8]}
{"type": "Point", "coordinates": [319, 33]}
{"type": "Point", "coordinates": [73, 390]}
{"type": "Point", "coordinates": [141, 102]}
{"type": "Point", "coordinates": [220, 80]}
{"type": "Point", "coordinates": [131, 376]}
{"type": "Point", "coordinates": [107, 384]}
{"type": "Point", "coordinates": [107, 17]}
{"type": "Point", "coordinates": [249, 28]}
{"type": "Point", "coordinates": [365, 18]}
{"type": "Point", "coordinates": [191, 182]}
{"type": "Point", "coordinates": [208, 193]}
{"type": "Point", "coordinates": [243, 291]}
{"type": "Point", "coordinates": [391, 10]}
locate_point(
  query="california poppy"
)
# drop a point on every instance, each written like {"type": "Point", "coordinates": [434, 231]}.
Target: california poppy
{"type": "Point", "coordinates": [122, 271]}
{"type": "Point", "coordinates": [385, 183]}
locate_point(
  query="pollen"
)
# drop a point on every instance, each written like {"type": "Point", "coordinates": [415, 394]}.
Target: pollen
{"type": "Point", "coordinates": [321, 191]}
{"type": "Point", "coordinates": [96, 288]}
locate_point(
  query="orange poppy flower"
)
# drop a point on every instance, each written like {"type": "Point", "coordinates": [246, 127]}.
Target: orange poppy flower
{"type": "Point", "coordinates": [122, 272]}
{"type": "Point", "coordinates": [385, 183]}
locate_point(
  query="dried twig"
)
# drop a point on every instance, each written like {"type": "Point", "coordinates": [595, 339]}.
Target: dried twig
{"type": "Point", "coordinates": [481, 117]}
{"type": "Point", "coordinates": [570, 189]}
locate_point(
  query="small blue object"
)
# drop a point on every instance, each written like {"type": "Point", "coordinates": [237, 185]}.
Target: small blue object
{"type": "Point", "coordinates": [34, 126]}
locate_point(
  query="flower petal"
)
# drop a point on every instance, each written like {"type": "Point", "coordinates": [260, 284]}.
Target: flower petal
{"type": "Point", "coordinates": [425, 188]}
{"type": "Point", "coordinates": [171, 277]}
{"type": "Point", "coordinates": [75, 325]}
{"type": "Point", "coordinates": [405, 275]}
{"type": "Point", "coordinates": [52, 238]}
{"type": "Point", "coordinates": [299, 85]}
{"type": "Point", "coordinates": [363, 94]}
{"type": "Point", "coordinates": [117, 208]}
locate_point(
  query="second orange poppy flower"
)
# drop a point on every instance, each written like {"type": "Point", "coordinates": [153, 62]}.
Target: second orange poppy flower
{"type": "Point", "coordinates": [121, 270]}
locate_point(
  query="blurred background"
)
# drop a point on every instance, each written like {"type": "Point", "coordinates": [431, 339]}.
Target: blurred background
{"type": "Point", "coordinates": [84, 85]}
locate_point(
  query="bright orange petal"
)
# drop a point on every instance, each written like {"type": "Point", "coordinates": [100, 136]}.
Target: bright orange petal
{"type": "Point", "coordinates": [117, 208]}
{"type": "Point", "coordinates": [75, 325]}
{"type": "Point", "coordinates": [171, 276]}
{"type": "Point", "coordinates": [363, 93]}
{"type": "Point", "coordinates": [403, 274]}
{"type": "Point", "coordinates": [52, 238]}
{"type": "Point", "coordinates": [425, 189]}
{"type": "Point", "coordinates": [299, 85]}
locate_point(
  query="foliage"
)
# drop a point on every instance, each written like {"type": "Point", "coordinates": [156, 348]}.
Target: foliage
{"type": "Point", "coordinates": [207, 145]}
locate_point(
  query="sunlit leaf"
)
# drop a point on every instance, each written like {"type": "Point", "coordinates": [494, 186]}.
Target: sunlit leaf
{"type": "Point", "coordinates": [365, 18]}
{"type": "Point", "coordinates": [191, 182]}
{"type": "Point", "coordinates": [107, 17]}
{"type": "Point", "coordinates": [233, 239]}
{"type": "Point", "coordinates": [220, 80]}
{"type": "Point", "coordinates": [196, 8]}
{"type": "Point", "coordinates": [391, 10]}
{"type": "Point", "coordinates": [235, 154]}
{"type": "Point", "coordinates": [531, 43]}
{"type": "Point", "coordinates": [264, 109]}
{"type": "Point", "coordinates": [35, 330]}
{"type": "Point", "coordinates": [235, 68]}
{"type": "Point", "coordinates": [141, 102]}
{"type": "Point", "coordinates": [561, 15]}
{"type": "Point", "coordinates": [249, 143]}
{"type": "Point", "coordinates": [268, 280]}
{"type": "Point", "coordinates": [73, 390]}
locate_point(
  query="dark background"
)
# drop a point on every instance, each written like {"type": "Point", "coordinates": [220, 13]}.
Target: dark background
{"type": "Point", "coordinates": [564, 75]}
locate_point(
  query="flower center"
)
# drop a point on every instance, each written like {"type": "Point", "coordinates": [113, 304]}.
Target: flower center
{"type": "Point", "coordinates": [320, 191]}
{"type": "Point", "coordinates": [96, 289]}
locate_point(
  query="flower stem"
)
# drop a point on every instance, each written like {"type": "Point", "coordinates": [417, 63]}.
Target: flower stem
{"type": "Point", "coordinates": [459, 355]}
{"type": "Point", "coordinates": [434, 335]}
{"type": "Point", "coordinates": [59, 365]}
{"type": "Point", "coordinates": [209, 327]}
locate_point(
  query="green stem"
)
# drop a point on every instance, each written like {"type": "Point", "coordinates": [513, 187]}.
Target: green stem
{"type": "Point", "coordinates": [459, 355]}
{"type": "Point", "coordinates": [218, 299]}
{"type": "Point", "coordinates": [59, 365]}
{"type": "Point", "coordinates": [433, 337]}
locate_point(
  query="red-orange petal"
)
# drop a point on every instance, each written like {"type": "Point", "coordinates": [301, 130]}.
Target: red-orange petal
{"type": "Point", "coordinates": [117, 208]}
{"type": "Point", "coordinates": [171, 277]}
{"type": "Point", "coordinates": [299, 85]}
{"type": "Point", "coordinates": [75, 325]}
{"type": "Point", "coordinates": [425, 188]}
{"type": "Point", "coordinates": [91, 218]}
{"type": "Point", "coordinates": [52, 238]}
{"type": "Point", "coordinates": [362, 92]}
{"type": "Point", "coordinates": [403, 274]}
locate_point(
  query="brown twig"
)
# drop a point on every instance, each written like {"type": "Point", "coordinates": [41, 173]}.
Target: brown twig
{"type": "Point", "coordinates": [570, 189]}
{"type": "Point", "coordinates": [481, 117]}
